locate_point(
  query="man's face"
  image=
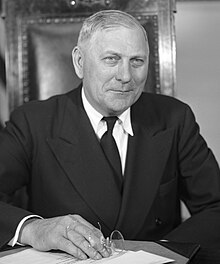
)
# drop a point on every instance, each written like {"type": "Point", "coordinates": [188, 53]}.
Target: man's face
{"type": "Point", "coordinates": [115, 69]}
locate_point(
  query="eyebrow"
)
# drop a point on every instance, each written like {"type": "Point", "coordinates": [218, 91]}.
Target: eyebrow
{"type": "Point", "coordinates": [113, 52]}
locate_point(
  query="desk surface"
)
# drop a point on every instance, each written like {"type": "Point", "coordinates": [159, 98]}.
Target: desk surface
{"type": "Point", "coordinates": [135, 246]}
{"type": "Point", "coordinates": [204, 256]}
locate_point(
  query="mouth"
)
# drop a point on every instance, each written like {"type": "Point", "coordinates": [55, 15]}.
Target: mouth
{"type": "Point", "coordinates": [120, 91]}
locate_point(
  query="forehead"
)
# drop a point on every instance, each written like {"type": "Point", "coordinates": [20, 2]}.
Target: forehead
{"type": "Point", "coordinates": [119, 38]}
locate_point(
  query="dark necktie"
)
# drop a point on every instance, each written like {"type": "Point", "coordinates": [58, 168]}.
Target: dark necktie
{"type": "Point", "coordinates": [110, 148]}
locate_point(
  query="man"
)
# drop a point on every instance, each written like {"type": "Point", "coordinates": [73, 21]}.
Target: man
{"type": "Point", "coordinates": [54, 147]}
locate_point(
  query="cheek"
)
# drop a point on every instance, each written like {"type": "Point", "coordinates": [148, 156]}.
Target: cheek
{"type": "Point", "coordinates": [140, 76]}
{"type": "Point", "coordinates": [95, 72]}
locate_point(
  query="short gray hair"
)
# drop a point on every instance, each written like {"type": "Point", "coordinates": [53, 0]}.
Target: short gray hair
{"type": "Point", "coordinates": [107, 19]}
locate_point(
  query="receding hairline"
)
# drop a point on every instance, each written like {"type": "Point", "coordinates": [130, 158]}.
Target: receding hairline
{"type": "Point", "coordinates": [107, 19]}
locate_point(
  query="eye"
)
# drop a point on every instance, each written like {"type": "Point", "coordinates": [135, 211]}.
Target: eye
{"type": "Point", "coordinates": [137, 62]}
{"type": "Point", "coordinates": [111, 59]}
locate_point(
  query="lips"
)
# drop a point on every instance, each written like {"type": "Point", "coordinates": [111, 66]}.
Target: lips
{"type": "Point", "coordinates": [121, 89]}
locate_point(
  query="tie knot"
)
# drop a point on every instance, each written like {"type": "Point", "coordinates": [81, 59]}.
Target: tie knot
{"type": "Point", "coordinates": [110, 120]}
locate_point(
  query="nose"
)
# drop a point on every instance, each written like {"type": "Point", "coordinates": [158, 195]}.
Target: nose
{"type": "Point", "coordinates": [124, 72]}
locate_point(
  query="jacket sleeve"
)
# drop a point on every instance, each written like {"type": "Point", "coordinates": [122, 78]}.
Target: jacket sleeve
{"type": "Point", "coordinates": [15, 165]}
{"type": "Point", "coordinates": [199, 187]}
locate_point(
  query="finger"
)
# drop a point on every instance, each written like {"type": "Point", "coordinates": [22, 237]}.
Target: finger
{"type": "Point", "coordinates": [83, 227]}
{"type": "Point", "coordinates": [81, 220]}
{"type": "Point", "coordinates": [68, 247]}
{"type": "Point", "coordinates": [79, 241]}
{"type": "Point", "coordinates": [91, 233]}
{"type": "Point", "coordinates": [93, 240]}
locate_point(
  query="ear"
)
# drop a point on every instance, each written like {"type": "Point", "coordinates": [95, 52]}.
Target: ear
{"type": "Point", "coordinates": [77, 58]}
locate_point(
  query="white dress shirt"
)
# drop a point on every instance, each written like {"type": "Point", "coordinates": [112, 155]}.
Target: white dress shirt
{"type": "Point", "coordinates": [121, 130]}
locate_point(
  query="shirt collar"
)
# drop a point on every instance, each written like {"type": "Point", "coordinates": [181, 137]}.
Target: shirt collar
{"type": "Point", "coordinates": [95, 117]}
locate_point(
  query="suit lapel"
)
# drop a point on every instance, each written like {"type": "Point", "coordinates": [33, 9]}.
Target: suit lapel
{"type": "Point", "coordinates": [79, 153]}
{"type": "Point", "coordinates": [147, 157]}
{"type": "Point", "coordinates": [77, 149]}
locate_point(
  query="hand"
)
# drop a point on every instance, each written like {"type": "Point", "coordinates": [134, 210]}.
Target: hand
{"type": "Point", "coordinates": [70, 233]}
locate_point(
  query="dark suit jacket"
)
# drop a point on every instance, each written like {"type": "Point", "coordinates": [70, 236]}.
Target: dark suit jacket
{"type": "Point", "coordinates": [51, 147]}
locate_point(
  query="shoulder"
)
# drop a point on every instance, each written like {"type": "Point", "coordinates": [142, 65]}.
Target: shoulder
{"type": "Point", "coordinates": [41, 109]}
{"type": "Point", "coordinates": [160, 103]}
{"type": "Point", "coordinates": [161, 109]}
{"type": "Point", "coordinates": [41, 114]}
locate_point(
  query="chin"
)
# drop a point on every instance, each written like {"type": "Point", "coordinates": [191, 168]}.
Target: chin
{"type": "Point", "coordinates": [118, 105]}
{"type": "Point", "coordinates": [117, 110]}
